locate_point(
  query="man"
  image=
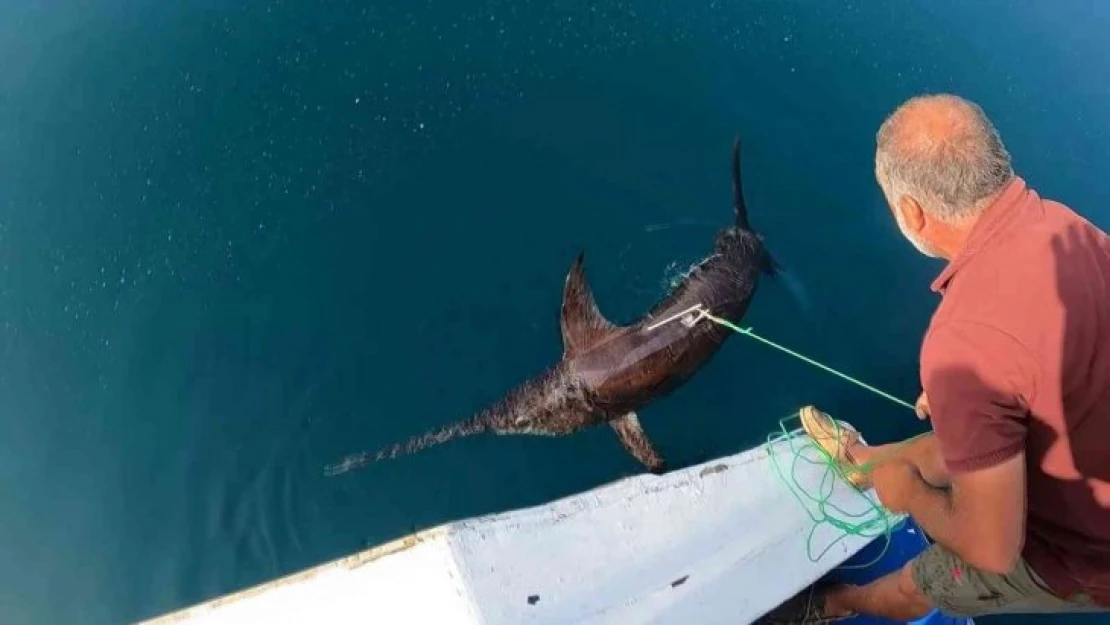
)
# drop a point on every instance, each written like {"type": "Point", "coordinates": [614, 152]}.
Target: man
{"type": "Point", "coordinates": [1013, 483]}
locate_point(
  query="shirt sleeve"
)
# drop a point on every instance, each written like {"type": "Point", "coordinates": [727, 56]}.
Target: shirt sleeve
{"type": "Point", "coordinates": [980, 383]}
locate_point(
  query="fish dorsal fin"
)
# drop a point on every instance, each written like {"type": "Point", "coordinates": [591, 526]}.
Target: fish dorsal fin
{"type": "Point", "coordinates": [582, 323]}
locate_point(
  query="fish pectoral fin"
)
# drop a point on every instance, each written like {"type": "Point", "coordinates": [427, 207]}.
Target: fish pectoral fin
{"type": "Point", "coordinates": [634, 440]}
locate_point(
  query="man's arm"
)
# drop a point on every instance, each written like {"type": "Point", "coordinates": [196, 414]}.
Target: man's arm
{"type": "Point", "coordinates": [981, 518]}
{"type": "Point", "coordinates": [980, 383]}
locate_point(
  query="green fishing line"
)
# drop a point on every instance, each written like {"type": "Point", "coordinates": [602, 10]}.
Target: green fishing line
{"type": "Point", "coordinates": [749, 333]}
{"type": "Point", "coordinates": [818, 503]}
{"type": "Point", "coordinates": [875, 520]}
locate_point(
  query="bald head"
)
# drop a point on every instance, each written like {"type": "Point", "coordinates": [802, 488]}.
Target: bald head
{"type": "Point", "coordinates": [942, 151]}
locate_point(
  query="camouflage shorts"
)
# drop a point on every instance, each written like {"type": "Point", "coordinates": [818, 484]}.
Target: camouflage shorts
{"type": "Point", "coordinates": [958, 589]}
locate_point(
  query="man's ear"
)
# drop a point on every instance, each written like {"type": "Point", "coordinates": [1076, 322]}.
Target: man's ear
{"type": "Point", "coordinates": [912, 214]}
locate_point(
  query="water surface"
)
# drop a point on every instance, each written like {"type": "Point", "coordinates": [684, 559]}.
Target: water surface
{"type": "Point", "coordinates": [238, 241]}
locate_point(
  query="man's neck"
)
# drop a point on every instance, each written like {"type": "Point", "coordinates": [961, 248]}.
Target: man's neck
{"type": "Point", "coordinates": [951, 239]}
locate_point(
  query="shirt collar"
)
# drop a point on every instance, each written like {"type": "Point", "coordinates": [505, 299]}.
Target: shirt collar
{"type": "Point", "coordinates": [1001, 213]}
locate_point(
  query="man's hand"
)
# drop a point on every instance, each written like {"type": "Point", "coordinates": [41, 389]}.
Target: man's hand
{"type": "Point", "coordinates": [922, 407]}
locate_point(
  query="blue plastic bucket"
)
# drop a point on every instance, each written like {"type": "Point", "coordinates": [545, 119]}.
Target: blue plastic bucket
{"type": "Point", "coordinates": [906, 541]}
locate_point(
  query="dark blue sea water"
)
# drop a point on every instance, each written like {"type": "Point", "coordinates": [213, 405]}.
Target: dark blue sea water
{"type": "Point", "coordinates": [240, 240]}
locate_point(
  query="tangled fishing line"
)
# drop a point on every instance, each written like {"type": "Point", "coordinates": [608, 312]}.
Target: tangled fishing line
{"type": "Point", "coordinates": [873, 520]}
{"type": "Point", "coordinates": [819, 501]}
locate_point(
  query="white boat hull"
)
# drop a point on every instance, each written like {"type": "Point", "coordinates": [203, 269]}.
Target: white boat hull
{"type": "Point", "coordinates": [721, 542]}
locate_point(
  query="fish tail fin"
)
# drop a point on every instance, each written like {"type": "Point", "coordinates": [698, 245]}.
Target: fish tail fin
{"type": "Point", "coordinates": [770, 265]}
{"type": "Point", "coordinates": [739, 206]}
{"type": "Point", "coordinates": [794, 286]}
{"type": "Point", "coordinates": [767, 262]}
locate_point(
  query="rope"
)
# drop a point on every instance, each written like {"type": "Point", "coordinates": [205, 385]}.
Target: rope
{"type": "Point", "coordinates": [875, 520]}
{"type": "Point", "coordinates": [748, 332]}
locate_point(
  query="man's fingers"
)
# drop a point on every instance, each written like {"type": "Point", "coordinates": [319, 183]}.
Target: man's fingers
{"type": "Point", "coordinates": [922, 407]}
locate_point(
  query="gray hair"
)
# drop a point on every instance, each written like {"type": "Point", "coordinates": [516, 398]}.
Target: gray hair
{"type": "Point", "coordinates": [949, 175]}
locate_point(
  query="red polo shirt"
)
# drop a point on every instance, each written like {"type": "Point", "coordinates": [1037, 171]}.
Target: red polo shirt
{"type": "Point", "coordinates": [1017, 356]}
